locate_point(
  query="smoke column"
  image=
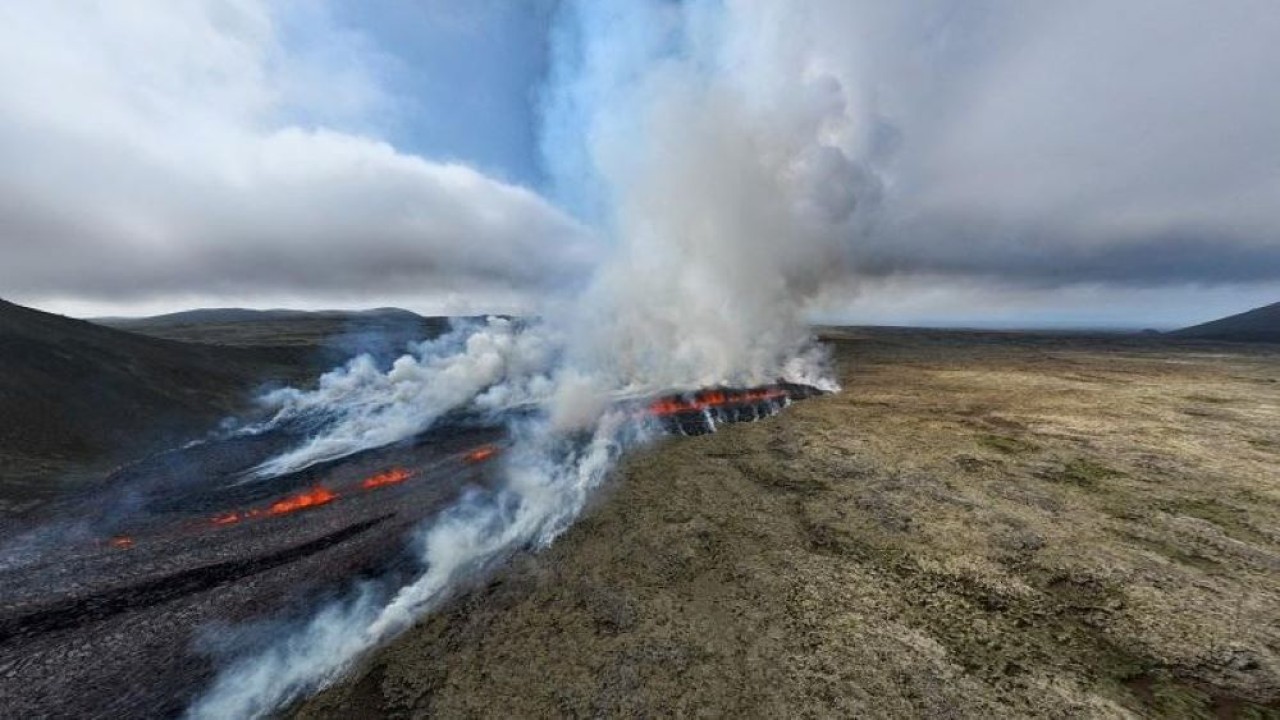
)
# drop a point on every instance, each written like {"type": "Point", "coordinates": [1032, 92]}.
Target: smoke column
{"type": "Point", "coordinates": [486, 368]}
{"type": "Point", "coordinates": [719, 155]}
{"type": "Point", "coordinates": [549, 478]}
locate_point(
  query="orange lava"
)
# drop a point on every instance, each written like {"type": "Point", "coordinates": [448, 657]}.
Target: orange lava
{"type": "Point", "coordinates": [124, 542]}
{"type": "Point", "coordinates": [389, 477]}
{"type": "Point", "coordinates": [481, 454]}
{"type": "Point", "coordinates": [713, 398]}
{"type": "Point", "coordinates": [315, 497]}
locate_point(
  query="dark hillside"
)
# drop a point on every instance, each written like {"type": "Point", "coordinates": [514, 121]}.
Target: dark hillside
{"type": "Point", "coordinates": [1257, 325]}
{"type": "Point", "coordinates": [75, 396]}
{"type": "Point", "coordinates": [335, 334]}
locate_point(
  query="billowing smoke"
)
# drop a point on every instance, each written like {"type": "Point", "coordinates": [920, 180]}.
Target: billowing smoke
{"type": "Point", "coordinates": [725, 160]}
{"type": "Point", "coordinates": [725, 169]}
{"type": "Point", "coordinates": [724, 155]}
{"type": "Point", "coordinates": [549, 478]}
{"type": "Point", "coordinates": [486, 368]}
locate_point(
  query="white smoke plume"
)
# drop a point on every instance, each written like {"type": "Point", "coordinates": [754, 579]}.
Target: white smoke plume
{"type": "Point", "coordinates": [730, 160]}
{"type": "Point", "coordinates": [488, 368]}
{"type": "Point", "coordinates": [730, 165]}
{"type": "Point", "coordinates": [728, 195]}
{"type": "Point", "coordinates": [549, 480]}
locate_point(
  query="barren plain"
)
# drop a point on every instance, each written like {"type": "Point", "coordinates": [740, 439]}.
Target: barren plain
{"type": "Point", "coordinates": [979, 525]}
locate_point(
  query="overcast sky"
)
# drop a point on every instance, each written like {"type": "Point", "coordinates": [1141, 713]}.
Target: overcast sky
{"type": "Point", "coordinates": [1095, 163]}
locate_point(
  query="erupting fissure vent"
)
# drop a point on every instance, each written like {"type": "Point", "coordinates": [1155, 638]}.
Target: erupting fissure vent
{"type": "Point", "coordinates": [698, 413]}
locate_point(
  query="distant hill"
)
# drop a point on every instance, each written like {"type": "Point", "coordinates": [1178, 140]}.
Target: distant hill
{"type": "Point", "coordinates": [1257, 325]}
{"type": "Point", "coordinates": [245, 315]}
{"type": "Point", "coordinates": [75, 395]}
{"type": "Point", "coordinates": [335, 335]}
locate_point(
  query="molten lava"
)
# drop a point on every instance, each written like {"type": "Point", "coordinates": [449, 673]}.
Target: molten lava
{"type": "Point", "coordinates": [124, 542]}
{"type": "Point", "coordinates": [708, 399]}
{"type": "Point", "coordinates": [480, 454]}
{"type": "Point", "coordinates": [389, 477]}
{"type": "Point", "coordinates": [696, 413]}
{"type": "Point", "coordinates": [315, 497]}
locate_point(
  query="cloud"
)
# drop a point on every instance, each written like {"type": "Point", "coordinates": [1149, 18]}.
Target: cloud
{"type": "Point", "coordinates": [1033, 144]}
{"type": "Point", "coordinates": [235, 149]}
{"type": "Point", "coordinates": [464, 75]}
{"type": "Point", "coordinates": [1092, 142]}
{"type": "Point", "coordinates": [158, 149]}
{"type": "Point", "coordinates": [1129, 144]}
{"type": "Point", "coordinates": [926, 300]}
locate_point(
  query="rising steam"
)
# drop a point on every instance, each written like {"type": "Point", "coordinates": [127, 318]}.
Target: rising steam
{"type": "Point", "coordinates": [724, 157]}
{"type": "Point", "coordinates": [720, 158]}
{"type": "Point", "coordinates": [549, 478]}
{"type": "Point", "coordinates": [487, 368]}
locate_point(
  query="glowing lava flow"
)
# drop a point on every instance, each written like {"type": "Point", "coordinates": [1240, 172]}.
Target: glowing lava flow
{"type": "Point", "coordinates": [228, 518]}
{"type": "Point", "coordinates": [315, 497]}
{"type": "Point", "coordinates": [320, 495]}
{"type": "Point", "coordinates": [696, 413]}
{"type": "Point", "coordinates": [480, 454]}
{"type": "Point", "coordinates": [390, 477]}
{"type": "Point", "coordinates": [312, 498]}
{"type": "Point", "coordinates": [708, 399]}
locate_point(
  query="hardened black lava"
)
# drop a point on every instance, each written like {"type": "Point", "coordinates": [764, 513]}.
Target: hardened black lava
{"type": "Point", "coordinates": [127, 610]}
{"type": "Point", "coordinates": [132, 617]}
{"type": "Point", "coordinates": [698, 413]}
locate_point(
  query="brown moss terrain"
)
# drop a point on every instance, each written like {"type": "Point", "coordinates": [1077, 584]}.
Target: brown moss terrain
{"type": "Point", "coordinates": [980, 525]}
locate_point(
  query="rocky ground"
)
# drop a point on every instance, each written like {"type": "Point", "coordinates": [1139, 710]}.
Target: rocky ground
{"type": "Point", "coordinates": [78, 400]}
{"type": "Point", "coordinates": [980, 525]}
{"type": "Point", "coordinates": [124, 603]}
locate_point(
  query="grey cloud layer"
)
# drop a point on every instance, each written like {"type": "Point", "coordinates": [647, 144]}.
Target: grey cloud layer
{"type": "Point", "coordinates": [164, 148]}
{"type": "Point", "coordinates": [146, 153]}
{"type": "Point", "coordinates": [1131, 143]}
{"type": "Point", "coordinates": [1035, 144]}
{"type": "Point", "coordinates": [1040, 256]}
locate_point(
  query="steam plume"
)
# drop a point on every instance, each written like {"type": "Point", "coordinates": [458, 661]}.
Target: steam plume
{"type": "Point", "coordinates": [729, 200]}
{"type": "Point", "coordinates": [486, 367]}
{"type": "Point", "coordinates": [725, 159]}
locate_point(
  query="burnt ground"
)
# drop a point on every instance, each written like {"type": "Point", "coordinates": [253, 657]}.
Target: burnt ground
{"type": "Point", "coordinates": [125, 602]}
{"type": "Point", "coordinates": [980, 525]}
{"type": "Point", "coordinates": [77, 399]}
{"type": "Point", "coordinates": [333, 335]}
